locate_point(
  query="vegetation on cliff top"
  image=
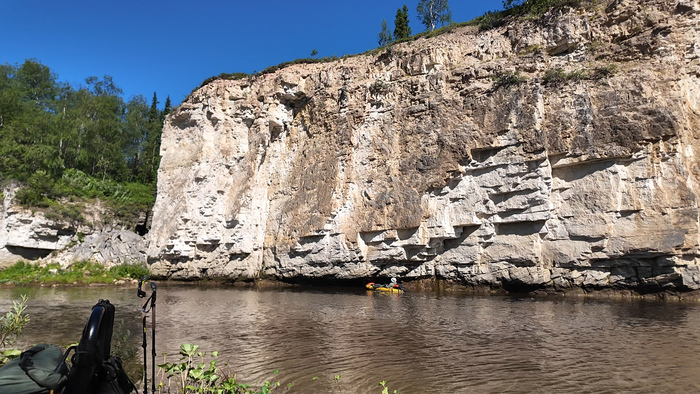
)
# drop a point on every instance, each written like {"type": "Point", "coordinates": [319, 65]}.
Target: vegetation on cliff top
{"type": "Point", "coordinates": [86, 141]}
{"type": "Point", "coordinates": [402, 33]}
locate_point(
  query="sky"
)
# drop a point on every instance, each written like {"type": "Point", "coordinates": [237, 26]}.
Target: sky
{"type": "Point", "coordinates": [170, 47]}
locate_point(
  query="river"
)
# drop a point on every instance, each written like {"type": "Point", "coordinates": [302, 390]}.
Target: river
{"type": "Point", "coordinates": [417, 342]}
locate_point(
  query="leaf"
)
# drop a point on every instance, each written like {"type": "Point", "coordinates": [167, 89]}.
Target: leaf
{"type": "Point", "coordinates": [196, 374]}
{"type": "Point", "coordinates": [11, 353]}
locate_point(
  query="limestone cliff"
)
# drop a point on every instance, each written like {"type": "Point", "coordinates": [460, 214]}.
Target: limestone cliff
{"type": "Point", "coordinates": [555, 152]}
{"type": "Point", "coordinates": [39, 234]}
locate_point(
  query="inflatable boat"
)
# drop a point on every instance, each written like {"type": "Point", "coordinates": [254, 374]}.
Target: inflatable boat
{"type": "Point", "coordinates": [396, 288]}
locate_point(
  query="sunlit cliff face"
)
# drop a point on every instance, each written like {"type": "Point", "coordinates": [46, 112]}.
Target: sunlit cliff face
{"type": "Point", "coordinates": [553, 153]}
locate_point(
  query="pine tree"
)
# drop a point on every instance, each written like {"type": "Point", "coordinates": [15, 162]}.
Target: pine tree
{"type": "Point", "coordinates": [401, 28]}
{"type": "Point", "coordinates": [167, 108]}
{"type": "Point", "coordinates": [434, 13]}
{"type": "Point", "coordinates": [384, 35]}
{"type": "Point", "coordinates": [153, 114]}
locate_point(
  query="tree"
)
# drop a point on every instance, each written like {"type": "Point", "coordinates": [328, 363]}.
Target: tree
{"type": "Point", "coordinates": [384, 34]}
{"type": "Point", "coordinates": [434, 13]}
{"type": "Point", "coordinates": [167, 108]}
{"type": "Point", "coordinates": [401, 28]}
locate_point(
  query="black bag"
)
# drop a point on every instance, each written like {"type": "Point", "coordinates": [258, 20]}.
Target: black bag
{"type": "Point", "coordinates": [94, 348]}
{"type": "Point", "coordinates": [113, 378]}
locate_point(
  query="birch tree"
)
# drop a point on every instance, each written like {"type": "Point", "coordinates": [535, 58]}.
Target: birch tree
{"type": "Point", "coordinates": [434, 13]}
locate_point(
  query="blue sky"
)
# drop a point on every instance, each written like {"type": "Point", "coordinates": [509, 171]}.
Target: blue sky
{"type": "Point", "coordinates": [170, 47]}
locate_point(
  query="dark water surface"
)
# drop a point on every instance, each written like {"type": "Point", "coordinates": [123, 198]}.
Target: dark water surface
{"type": "Point", "coordinates": [418, 342]}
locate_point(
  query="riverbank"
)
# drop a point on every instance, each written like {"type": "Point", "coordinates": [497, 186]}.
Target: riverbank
{"type": "Point", "coordinates": [80, 273]}
{"type": "Point", "coordinates": [94, 275]}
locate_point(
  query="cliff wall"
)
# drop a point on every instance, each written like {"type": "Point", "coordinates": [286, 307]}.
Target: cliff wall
{"type": "Point", "coordinates": [41, 234]}
{"type": "Point", "coordinates": [551, 152]}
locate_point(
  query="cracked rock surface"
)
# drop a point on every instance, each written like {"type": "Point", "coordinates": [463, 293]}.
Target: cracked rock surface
{"type": "Point", "coordinates": [548, 153]}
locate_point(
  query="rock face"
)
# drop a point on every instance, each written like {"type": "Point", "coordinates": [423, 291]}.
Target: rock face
{"type": "Point", "coordinates": [33, 235]}
{"type": "Point", "coordinates": [550, 153]}
{"type": "Point", "coordinates": [25, 235]}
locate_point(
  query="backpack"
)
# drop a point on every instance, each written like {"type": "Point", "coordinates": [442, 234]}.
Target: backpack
{"type": "Point", "coordinates": [93, 348]}
{"type": "Point", "coordinates": [113, 379]}
{"type": "Point", "coordinates": [38, 370]}
{"type": "Point", "coordinates": [93, 369]}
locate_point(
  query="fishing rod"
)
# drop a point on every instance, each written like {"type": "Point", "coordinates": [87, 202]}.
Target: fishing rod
{"type": "Point", "coordinates": [144, 302]}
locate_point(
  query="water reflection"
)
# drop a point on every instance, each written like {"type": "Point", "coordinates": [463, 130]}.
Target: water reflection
{"type": "Point", "coordinates": [419, 342]}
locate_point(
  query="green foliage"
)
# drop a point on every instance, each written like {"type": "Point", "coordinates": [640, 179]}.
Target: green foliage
{"type": "Point", "coordinates": [83, 272]}
{"type": "Point", "coordinates": [379, 87]}
{"type": "Point", "coordinates": [385, 389]}
{"type": "Point", "coordinates": [194, 374]}
{"type": "Point", "coordinates": [131, 271]}
{"type": "Point", "coordinates": [126, 199]}
{"type": "Point", "coordinates": [124, 348]}
{"type": "Point", "coordinates": [307, 60]}
{"type": "Point", "coordinates": [508, 78]}
{"type": "Point", "coordinates": [490, 20]}
{"type": "Point", "coordinates": [229, 76]}
{"type": "Point", "coordinates": [602, 72]}
{"type": "Point", "coordinates": [433, 13]}
{"type": "Point", "coordinates": [197, 372]}
{"type": "Point", "coordinates": [121, 346]}
{"type": "Point", "coordinates": [401, 28]}
{"type": "Point", "coordinates": [314, 52]}
{"type": "Point", "coordinates": [11, 326]}
{"type": "Point", "coordinates": [48, 128]}
{"type": "Point", "coordinates": [384, 37]}
{"type": "Point", "coordinates": [557, 76]}
{"type": "Point", "coordinates": [536, 7]}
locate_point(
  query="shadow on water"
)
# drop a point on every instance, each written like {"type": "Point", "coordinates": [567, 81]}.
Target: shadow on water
{"type": "Point", "coordinates": [418, 341]}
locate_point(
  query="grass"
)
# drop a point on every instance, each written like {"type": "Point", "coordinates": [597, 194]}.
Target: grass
{"type": "Point", "coordinates": [83, 272]}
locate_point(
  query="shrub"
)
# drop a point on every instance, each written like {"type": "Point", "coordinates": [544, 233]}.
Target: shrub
{"type": "Point", "coordinates": [11, 326]}
{"type": "Point", "coordinates": [131, 271]}
{"type": "Point", "coordinates": [536, 7]}
{"type": "Point", "coordinates": [507, 78]}
{"type": "Point", "coordinates": [229, 76]}
{"type": "Point", "coordinates": [557, 76]}
{"type": "Point", "coordinates": [379, 87]}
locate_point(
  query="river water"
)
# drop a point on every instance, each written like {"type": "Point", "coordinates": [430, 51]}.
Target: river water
{"type": "Point", "coordinates": [417, 342]}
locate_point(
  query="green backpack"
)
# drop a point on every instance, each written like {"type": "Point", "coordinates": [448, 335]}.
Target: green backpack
{"type": "Point", "coordinates": [39, 370]}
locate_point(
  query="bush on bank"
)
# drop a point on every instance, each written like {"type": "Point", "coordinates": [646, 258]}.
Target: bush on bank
{"type": "Point", "coordinates": [82, 272]}
{"type": "Point", "coordinates": [11, 326]}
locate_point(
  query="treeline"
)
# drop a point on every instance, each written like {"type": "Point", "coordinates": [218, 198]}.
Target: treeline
{"type": "Point", "coordinates": [52, 133]}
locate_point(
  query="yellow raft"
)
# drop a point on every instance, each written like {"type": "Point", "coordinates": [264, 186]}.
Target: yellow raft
{"type": "Point", "coordinates": [376, 287]}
